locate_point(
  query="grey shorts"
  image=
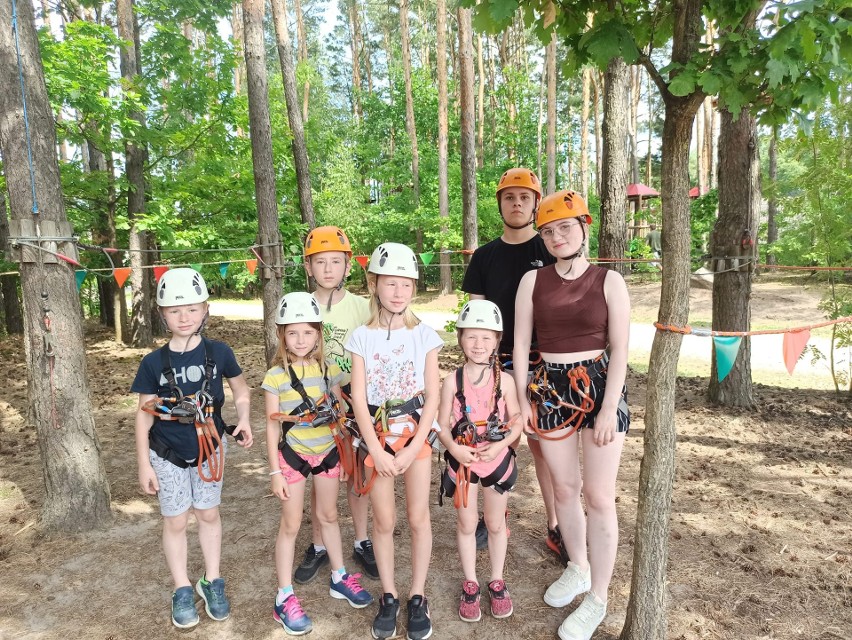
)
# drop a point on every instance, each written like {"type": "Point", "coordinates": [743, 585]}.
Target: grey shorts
{"type": "Point", "coordinates": [181, 489]}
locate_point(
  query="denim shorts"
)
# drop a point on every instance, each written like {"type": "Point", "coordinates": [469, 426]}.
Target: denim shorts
{"type": "Point", "coordinates": [181, 489]}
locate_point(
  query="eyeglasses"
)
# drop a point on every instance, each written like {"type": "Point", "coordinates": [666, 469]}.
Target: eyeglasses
{"type": "Point", "coordinates": [562, 229]}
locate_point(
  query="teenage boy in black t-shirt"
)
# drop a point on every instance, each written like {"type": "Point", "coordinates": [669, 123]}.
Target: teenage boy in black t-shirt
{"type": "Point", "coordinates": [494, 273]}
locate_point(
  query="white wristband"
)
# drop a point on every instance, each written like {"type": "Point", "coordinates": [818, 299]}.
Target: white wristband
{"type": "Point", "coordinates": [276, 472]}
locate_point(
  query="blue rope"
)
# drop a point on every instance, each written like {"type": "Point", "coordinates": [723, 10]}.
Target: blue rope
{"type": "Point", "coordinates": [24, 99]}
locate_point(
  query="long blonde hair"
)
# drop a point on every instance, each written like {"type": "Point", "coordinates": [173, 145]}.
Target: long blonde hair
{"type": "Point", "coordinates": [408, 316]}
{"type": "Point", "coordinates": [282, 356]}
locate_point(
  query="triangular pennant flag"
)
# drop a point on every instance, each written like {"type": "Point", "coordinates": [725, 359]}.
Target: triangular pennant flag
{"type": "Point", "coordinates": [159, 270]}
{"type": "Point", "coordinates": [121, 274]}
{"type": "Point", "coordinates": [794, 344]}
{"type": "Point", "coordinates": [80, 275]}
{"type": "Point", "coordinates": [297, 259]}
{"type": "Point", "coordinates": [727, 348]}
{"type": "Point", "coordinates": [363, 261]}
{"type": "Point", "coordinates": [223, 268]}
{"type": "Point", "coordinates": [196, 266]}
{"type": "Point", "coordinates": [251, 265]}
{"type": "Point", "coordinates": [427, 257]}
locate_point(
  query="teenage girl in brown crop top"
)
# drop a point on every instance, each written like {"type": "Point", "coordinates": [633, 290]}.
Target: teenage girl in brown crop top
{"type": "Point", "coordinates": [580, 312]}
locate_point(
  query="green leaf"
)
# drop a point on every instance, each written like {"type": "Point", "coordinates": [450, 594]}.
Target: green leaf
{"type": "Point", "coordinates": [710, 83]}
{"type": "Point", "coordinates": [775, 71]}
{"type": "Point", "coordinates": [682, 84]}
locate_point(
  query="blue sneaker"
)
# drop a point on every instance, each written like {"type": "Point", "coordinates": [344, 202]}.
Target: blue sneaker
{"type": "Point", "coordinates": [292, 617]}
{"type": "Point", "coordinates": [184, 615]}
{"type": "Point", "coordinates": [350, 589]}
{"type": "Point", "coordinates": [216, 604]}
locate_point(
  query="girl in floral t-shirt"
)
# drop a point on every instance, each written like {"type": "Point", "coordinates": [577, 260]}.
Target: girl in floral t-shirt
{"type": "Point", "coordinates": [395, 377]}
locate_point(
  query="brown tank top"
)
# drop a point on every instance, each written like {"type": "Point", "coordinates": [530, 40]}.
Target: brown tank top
{"type": "Point", "coordinates": [570, 315]}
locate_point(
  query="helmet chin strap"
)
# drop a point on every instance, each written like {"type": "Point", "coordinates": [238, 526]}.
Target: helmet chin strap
{"type": "Point", "coordinates": [515, 226]}
{"type": "Point", "coordinates": [392, 314]}
{"type": "Point", "coordinates": [331, 295]}
{"type": "Point", "coordinates": [488, 364]}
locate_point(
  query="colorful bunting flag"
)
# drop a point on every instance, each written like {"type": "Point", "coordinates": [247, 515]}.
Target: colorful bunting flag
{"type": "Point", "coordinates": [794, 345]}
{"type": "Point", "coordinates": [223, 268]}
{"type": "Point", "coordinates": [727, 348]}
{"type": "Point", "coordinates": [251, 265]}
{"type": "Point", "coordinates": [121, 274]}
{"type": "Point", "coordinates": [363, 261]}
{"type": "Point", "coordinates": [80, 275]}
{"type": "Point", "coordinates": [159, 270]}
{"type": "Point", "coordinates": [427, 257]}
{"type": "Point", "coordinates": [196, 266]}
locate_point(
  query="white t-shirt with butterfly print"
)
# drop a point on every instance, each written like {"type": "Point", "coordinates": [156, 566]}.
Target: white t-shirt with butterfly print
{"type": "Point", "coordinates": [394, 367]}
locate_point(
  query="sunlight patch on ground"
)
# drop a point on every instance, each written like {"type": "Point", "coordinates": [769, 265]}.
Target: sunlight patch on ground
{"type": "Point", "coordinates": [133, 507]}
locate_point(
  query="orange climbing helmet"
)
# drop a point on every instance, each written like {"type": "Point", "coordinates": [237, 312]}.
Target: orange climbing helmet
{"type": "Point", "coordinates": [561, 205]}
{"type": "Point", "coordinates": [327, 239]}
{"type": "Point", "coordinates": [519, 177]}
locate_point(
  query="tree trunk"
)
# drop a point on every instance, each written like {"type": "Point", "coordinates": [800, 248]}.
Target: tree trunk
{"type": "Point", "coordinates": [700, 166]}
{"type": "Point", "coordinates": [294, 115]}
{"type": "Point", "coordinates": [709, 134]}
{"type": "Point", "coordinates": [612, 238]}
{"type": "Point", "coordinates": [77, 494]}
{"type": "Point", "coordinates": [237, 30]}
{"type": "Point", "coordinates": [584, 134]}
{"type": "Point", "coordinates": [121, 331]}
{"type": "Point", "coordinates": [468, 139]}
{"type": "Point", "coordinates": [303, 55]}
{"type": "Point", "coordinates": [136, 155]}
{"type": "Point", "coordinates": [480, 128]}
{"type": "Point", "coordinates": [443, 131]}
{"type": "Point", "coordinates": [356, 60]}
{"type": "Point", "coordinates": [772, 204]}
{"type": "Point", "coordinates": [13, 320]}
{"type": "Point", "coordinates": [646, 610]}
{"type": "Point", "coordinates": [542, 109]}
{"type": "Point", "coordinates": [648, 157]}
{"type": "Point", "coordinates": [410, 127]}
{"type": "Point", "coordinates": [365, 54]}
{"type": "Point", "coordinates": [734, 235]}
{"type": "Point", "coordinates": [264, 172]}
{"type": "Point", "coordinates": [550, 61]}
{"type": "Point", "coordinates": [596, 79]}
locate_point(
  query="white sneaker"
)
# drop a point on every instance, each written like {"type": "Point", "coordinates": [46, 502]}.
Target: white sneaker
{"type": "Point", "coordinates": [583, 621]}
{"type": "Point", "coordinates": [568, 586]}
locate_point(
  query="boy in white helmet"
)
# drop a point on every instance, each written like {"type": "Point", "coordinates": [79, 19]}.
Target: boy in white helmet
{"type": "Point", "coordinates": [180, 387]}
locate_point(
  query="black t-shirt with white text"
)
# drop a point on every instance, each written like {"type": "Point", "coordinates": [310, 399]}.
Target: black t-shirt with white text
{"type": "Point", "coordinates": [495, 271]}
{"type": "Point", "coordinates": [189, 376]}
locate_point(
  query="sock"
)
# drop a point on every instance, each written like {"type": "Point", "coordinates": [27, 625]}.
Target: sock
{"type": "Point", "coordinates": [337, 575]}
{"type": "Point", "coordinates": [318, 547]}
{"type": "Point", "coordinates": [359, 544]}
{"type": "Point", "coordinates": [283, 594]}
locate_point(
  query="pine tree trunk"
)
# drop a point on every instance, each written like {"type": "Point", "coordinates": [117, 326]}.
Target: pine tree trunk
{"type": "Point", "coordinates": [237, 30]}
{"type": "Point", "coordinates": [136, 155]}
{"type": "Point", "coordinates": [356, 60]}
{"type": "Point", "coordinates": [584, 134]}
{"type": "Point", "coordinates": [468, 139]}
{"type": "Point", "coordinates": [77, 493]}
{"type": "Point", "coordinates": [443, 132]}
{"type": "Point", "coordinates": [294, 115]}
{"type": "Point", "coordinates": [733, 235]}
{"type": "Point", "coordinates": [303, 55]}
{"type": "Point", "coordinates": [772, 204]}
{"type": "Point", "coordinates": [410, 127]}
{"type": "Point", "coordinates": [121, 330]}
{"type": "Point", "coordinates": [550, 61]}
{"type": "Point", "coordinates": [646, 610]}
{"type": "Point", "coordinates": [480, 128]}
{"type": "Point", "coordinates": [612, 238]}
{"type": "Point", "coordinates": [12, 318]}
{"type": "Point", "coordinates": [598, 86]}
{"type": "Point", "coordinates": [264, 172]}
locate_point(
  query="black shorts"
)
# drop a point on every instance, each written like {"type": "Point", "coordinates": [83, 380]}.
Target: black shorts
{"type": "Point", "coordinates": [550, 419]}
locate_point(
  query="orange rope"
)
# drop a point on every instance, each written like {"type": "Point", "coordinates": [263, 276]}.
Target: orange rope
{"type": "Point", "coordinates": [689, 330]}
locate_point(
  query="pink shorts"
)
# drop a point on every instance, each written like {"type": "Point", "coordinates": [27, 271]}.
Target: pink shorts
{"type": "Point", "coordinates": [292, 476]}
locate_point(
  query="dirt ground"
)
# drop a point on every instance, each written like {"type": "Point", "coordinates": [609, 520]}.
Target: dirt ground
{"type": "Point", "coordinates": [761, 528]}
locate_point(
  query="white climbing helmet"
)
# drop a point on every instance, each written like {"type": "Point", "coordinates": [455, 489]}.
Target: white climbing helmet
{"type": "Point", "coordinates": [480, 314]}
{"type": "Point", "coordinates": [181, 286]}
{"type": "Point", "coordinates": [393, 259]}
{"type": "Point", "coordinates": [298, 306]}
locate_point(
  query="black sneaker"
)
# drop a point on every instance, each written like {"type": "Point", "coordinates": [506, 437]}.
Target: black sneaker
{"type": "Point", "coordinates": [313, 562]}
{"type": "Point", "coordinates": [366, 559]}
{"type": "Point", "coordinates": [384, 625]}
{"type": "Point", "coordinates": [419, 622]}
{"type": "Point", "coordinates": [481, 534]}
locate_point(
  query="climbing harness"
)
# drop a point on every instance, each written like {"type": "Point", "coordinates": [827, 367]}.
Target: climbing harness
{"type": "Point", "coordinates": [311, 413]}
{"type": "Point", "coordinates": [466, 432]}
{"type": "Point", "coordinates": [386, 420]}
{"type": "Point", "coordinates": [197, 409]}
{"type": "Point", "coordinates": [548, 388]}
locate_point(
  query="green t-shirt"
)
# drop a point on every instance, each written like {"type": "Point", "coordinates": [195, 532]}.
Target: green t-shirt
{"type": "Point", "coordinates": [338, 324]}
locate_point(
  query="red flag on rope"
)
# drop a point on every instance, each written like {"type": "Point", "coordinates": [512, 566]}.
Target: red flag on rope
{"type": "Point", "coordinates": [121, 274]}
{"type": "Point", "coordinates": [251, 265]}
{"type": "Point", "coordinates": [159, 270]}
